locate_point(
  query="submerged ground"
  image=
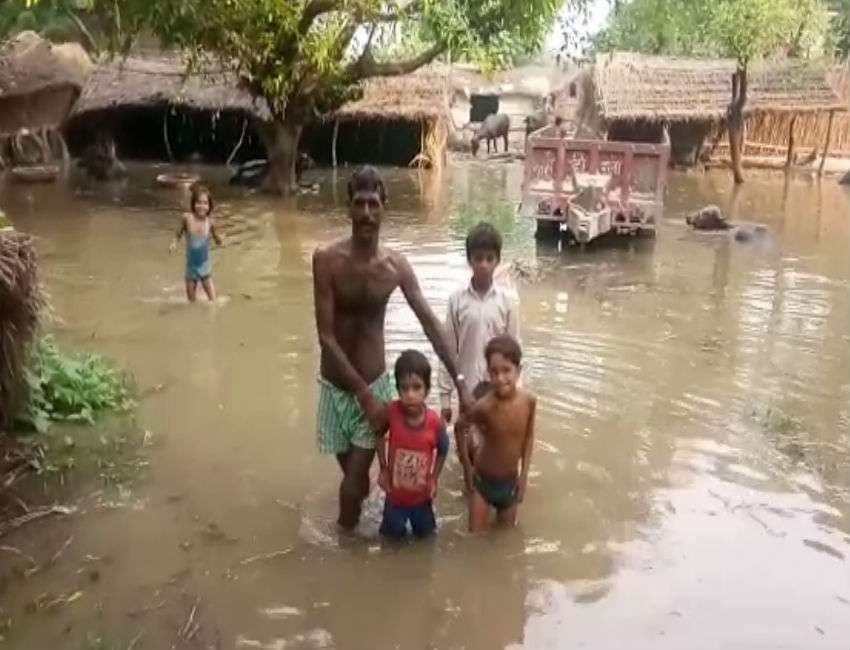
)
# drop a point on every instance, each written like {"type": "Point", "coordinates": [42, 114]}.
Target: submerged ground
{"type": "Point", "coordinates": [691, 483]}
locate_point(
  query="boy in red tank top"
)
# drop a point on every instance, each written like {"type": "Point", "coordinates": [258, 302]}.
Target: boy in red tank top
{"type": "Point", "coordinates": [412, 453]}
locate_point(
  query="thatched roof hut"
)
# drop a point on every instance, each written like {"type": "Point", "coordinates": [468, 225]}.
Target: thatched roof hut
{"type": "Point", "coordinates": [38, 82]}
{"type": "Point", "coordinates": [420, 96]}
{"type": "Point", "coordinates": [655, 88]}
{"type": "Point", "coordinates": [143, 82]}
{"type": "Point", "coordinates": [634, 95]}
{"type": "Point", "coordinates": [135, 98]}
{"type": "Point", "coordinates": [415, 106]}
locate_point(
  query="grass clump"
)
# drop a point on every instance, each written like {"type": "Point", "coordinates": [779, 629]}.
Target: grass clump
{"type": "Point", "coordinates": [70, 388]}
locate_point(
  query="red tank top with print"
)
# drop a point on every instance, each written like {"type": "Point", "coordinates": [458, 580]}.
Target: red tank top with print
{"type": "Point", "coordinates": [411, 456]}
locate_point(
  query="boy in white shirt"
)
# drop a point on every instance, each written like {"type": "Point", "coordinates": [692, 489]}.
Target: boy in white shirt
{"type": "Point", "coordinates": [476, 313]}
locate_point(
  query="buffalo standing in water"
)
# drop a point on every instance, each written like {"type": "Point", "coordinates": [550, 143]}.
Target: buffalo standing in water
{"type": "Point", "coordinates": [493, 127]}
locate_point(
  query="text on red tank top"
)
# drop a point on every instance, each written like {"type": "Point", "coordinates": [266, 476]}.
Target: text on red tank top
{"type": "Point", "coordinates": [411, 457]}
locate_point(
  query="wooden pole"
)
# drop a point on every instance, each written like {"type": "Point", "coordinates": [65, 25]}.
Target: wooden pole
{"type": "Point", "coordinates": [238, 144]}
{"type": "Point", "coordinates": [789, 159]}
{"type": "Point", "coordinates": [826, 144]}
{"type": "Point", "coordinates": [165, 135]}
{"type": "Point", "coordinates": [333, 143]}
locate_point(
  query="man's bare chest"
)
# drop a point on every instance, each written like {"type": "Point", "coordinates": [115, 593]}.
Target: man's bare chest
{"type": "Point", "coordinates": [361, 287]}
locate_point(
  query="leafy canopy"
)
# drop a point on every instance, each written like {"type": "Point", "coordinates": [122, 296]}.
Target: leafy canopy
{"type": "Point", "coordinates": [307, 55]}
{"type": "Point", "coordinates": [740, 29]}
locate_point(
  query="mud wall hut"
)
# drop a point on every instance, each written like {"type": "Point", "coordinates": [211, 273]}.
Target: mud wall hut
{"type": "Point", "coordinates": [39, 84]}
{"type": "Point", "coordinates": [517, 92]}
{"type": "Point", "coordinates": [398, 120]}
{"type": "Point", "coordinates": [634, 95]}
{"type": "Point", "coordinates": [155, 110]}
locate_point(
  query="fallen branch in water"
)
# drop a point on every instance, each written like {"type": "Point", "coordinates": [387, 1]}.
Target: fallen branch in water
{"type": "Point", "coordinates": [59, 553]}
{"type": "Point", "coordinates": [190, 629]}
{"type": "Point", "coordinates": [19, 553]}
{"type": "Point", "coordinates": [265, 556]}
{"type": "Point", "coordinates": [33, 515]}
{"type": "Point", "coordinates": [135, 640]}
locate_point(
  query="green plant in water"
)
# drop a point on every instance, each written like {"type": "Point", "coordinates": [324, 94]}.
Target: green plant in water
{"type": "Point", "coordinates": [516, 232]}
{"type": "Point", "coordinates": [70, 387]}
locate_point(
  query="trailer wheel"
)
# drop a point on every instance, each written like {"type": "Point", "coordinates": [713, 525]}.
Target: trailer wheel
{"type": "Point", "coordinates": [547, 229]}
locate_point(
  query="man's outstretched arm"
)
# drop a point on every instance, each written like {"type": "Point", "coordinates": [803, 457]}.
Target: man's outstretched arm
{"type": "Point", "coordinates": [431, 325]}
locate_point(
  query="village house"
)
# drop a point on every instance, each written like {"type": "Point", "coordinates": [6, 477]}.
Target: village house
{"type": "Point", "coordinates": [791, 104]}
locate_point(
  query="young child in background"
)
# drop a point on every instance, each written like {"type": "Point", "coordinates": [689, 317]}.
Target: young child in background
{"type": "Point", "coordinates": [411, 454]}
{"type": "Point", "coordinates": [505, 419]}
{"type": "Point", "coordinates": [199, 228]}
{"type": "Point", "coordinates": [476, 313]}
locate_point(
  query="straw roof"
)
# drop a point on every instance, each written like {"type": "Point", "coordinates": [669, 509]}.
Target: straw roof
{"type": "Point", "coordinates": [143, 82]}
{"type": "Point", "coordinates": [30, 64]}
{"type": "Point", "coordinates": [419, 96]}
{"type": "Point", "coordinates": [632, 86]}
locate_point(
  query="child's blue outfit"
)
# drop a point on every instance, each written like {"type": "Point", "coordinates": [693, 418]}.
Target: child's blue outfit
{"type": "Point", "coordinates": [198, 266]}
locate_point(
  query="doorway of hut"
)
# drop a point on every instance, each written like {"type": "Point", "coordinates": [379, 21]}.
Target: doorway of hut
{"type": "Point", "coordinates": [168, 133]}
{"type": "Point", "coordinates": [480, 106]}
{"type": "Point", "coordinates": [375, 141]}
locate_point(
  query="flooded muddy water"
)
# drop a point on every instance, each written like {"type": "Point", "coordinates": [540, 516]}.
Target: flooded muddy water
{"type": "Point", "coordinates": [691, 481]}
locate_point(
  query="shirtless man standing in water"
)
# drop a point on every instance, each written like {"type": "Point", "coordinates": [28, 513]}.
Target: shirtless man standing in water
{"type": "Point", "coordinates": [352, 281]}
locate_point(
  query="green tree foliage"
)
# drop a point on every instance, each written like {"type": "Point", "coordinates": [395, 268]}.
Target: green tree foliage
{"type": "Point", "coordinates": [657, 27]}
{"type": "Point", "coordinates": [741, 29]}
{"type": "Point", "coordinates": [840, 27]}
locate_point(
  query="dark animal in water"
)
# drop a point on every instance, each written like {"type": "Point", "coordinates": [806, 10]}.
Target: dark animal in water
{"type": "Point", "coordinates": [493, 127]}
{"type": "Point", "coordinates": [253, 173]}
{"type": "Point", "coordinates": [708, 218]}
{"type": "Point", "coordinates": [101, 161]}
{"type": "Point", "coordinates": [753, 233]}
{"type": "Point", "coordinates": [534, 122]}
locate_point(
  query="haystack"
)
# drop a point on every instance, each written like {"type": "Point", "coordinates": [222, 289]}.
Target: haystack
{"type": "Point", "coordinates": [20, 303]}
{"type": "Point", "coordinates": [417, 103]}
{"type": "Point", "coordinates": [39, 83]}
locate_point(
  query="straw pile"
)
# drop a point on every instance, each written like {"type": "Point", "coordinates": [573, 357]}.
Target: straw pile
{"type": "Point", "coordinates": [38, 82]}
{"type": "Point", "coordinates": [20, 303]}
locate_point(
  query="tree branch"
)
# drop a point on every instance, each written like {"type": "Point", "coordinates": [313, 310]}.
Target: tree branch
{"type": "Point", "coordinates": [366, 66]}
{"type": "Point", "coordinates": [87, 35]}
{"type": "Point", "coordinates": [313, 10]}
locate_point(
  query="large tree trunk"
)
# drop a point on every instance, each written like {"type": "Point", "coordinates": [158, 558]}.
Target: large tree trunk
{"type": "Point", "coordinates": [281, 140]}
{"type": "Point", "coordinates": [735, 118]}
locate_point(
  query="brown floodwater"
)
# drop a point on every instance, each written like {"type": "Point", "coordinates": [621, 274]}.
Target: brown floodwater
{"type": "Point", "coordinates": [690, 485]}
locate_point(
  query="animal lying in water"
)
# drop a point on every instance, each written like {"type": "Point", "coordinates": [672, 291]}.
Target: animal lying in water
{"type": "Point", "coordinates": [252, 173]}
{"type": "Point", "coordinates": [708, 218]}
{"type": "Point", "coordinates": [751, 233]}
{"type": "Point", "coordinates": [711, 218]}
{"type": "Point", "coordinates": [493, 127]}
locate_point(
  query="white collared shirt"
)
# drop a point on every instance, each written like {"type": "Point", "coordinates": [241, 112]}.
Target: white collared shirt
{"type": "Point", "coordinates": [471, 321]}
